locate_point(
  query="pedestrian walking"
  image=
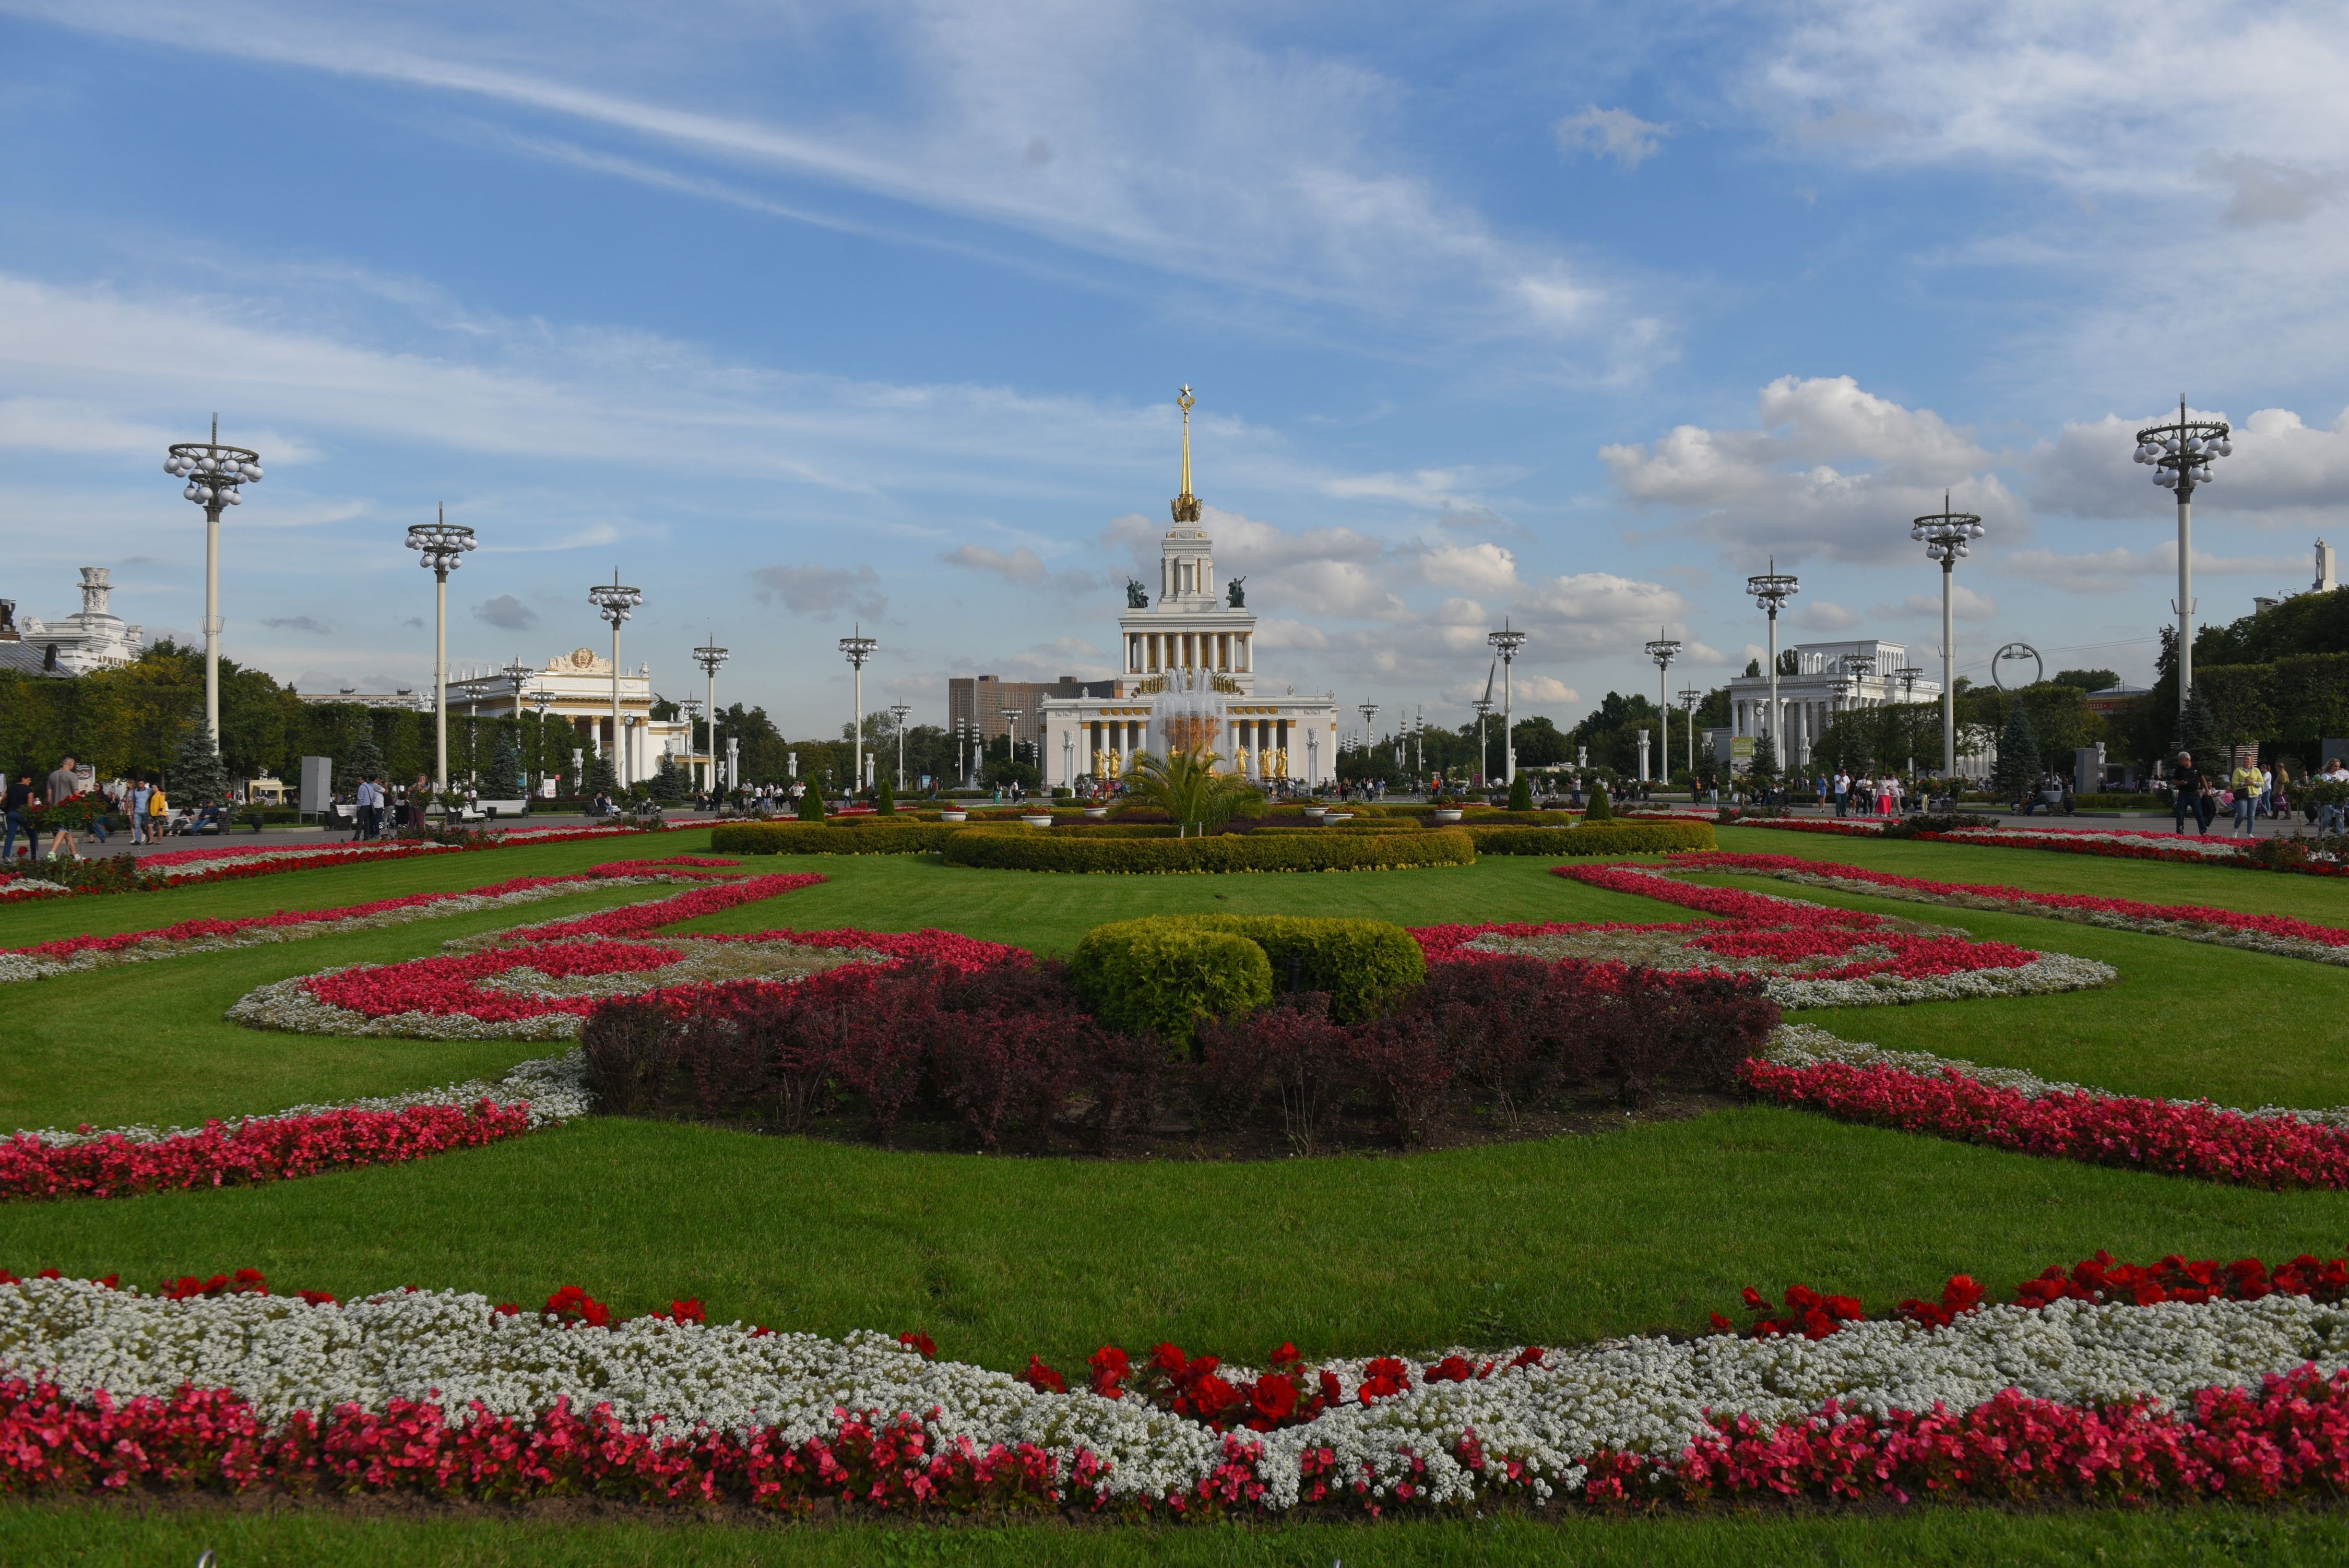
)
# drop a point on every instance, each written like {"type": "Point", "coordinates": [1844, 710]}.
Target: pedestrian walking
{"type": "Point", "coordinates": [2189, 794]}
{"type": "Point", "coordinates": [63, 785]}
{"type": "Point", "coordinates": [140, 790]}
{"type": "Point", "coordinates": [17, 805]}
{"type": "Point", "coordinates": [2243, 786]}
{"type": "Point", "coordinates": [158, 812]}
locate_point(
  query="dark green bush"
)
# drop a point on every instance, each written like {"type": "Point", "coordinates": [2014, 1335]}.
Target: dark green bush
{"type": "Point", "coordinates": [1521, 793]}
{"type": "Point", "coordinates": [1164, 973]}
{"type": "Point", "coordinates": [897, 838]}
{"type": "Point", "coordinates": [1046, 850]}
{"type": "Point", "coordinates": [1363, 965]}
{"type": "Point", "coordinates": [1611, 838]}
{"type": "Point", "coordinates": [1375, 825]}
{"type": "Point", "coordinates": [1601, 808]}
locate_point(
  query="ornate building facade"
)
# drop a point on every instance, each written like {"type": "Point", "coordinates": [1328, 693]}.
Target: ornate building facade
{"type": "Point", "coordinates": [1190, 636]}
{"type": "Point", "coordinates": [95, 638]}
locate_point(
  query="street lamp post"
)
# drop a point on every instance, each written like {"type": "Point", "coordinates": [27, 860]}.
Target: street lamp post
{"type": "Point", "coordinates": [692, 707]}
{"type": "Point", "coordinates": [440, 547]}
{"type": "Point", "coordinates": [515, 673]}
{"type": "Point", "coordinates": [1663, 651]}
{"type": "Point", "coordinates": [857, 648]}
{"type": "Point", "coordinates": [1947, 536]}
{"type": "Point", "coordinates": [541, 699]}
{"type": "Point", "coordinates": [1908, 676]}
{"type": "Point", "coordinates": [898, 712]}
{"type": "Point", "coordinates": [215, 474]}
{"type": "Point", "coordinates": [709, 656]}
{"type": "Point", "coordinates": [617, 603]}
{"type": "Point", "coordinates": [1369, 711]}
{"type": "Point", "coordinates": [1012, 717]}
{"type": "Point", "coordinates": [1484, 706]}
{"type": "Point", "coordinates": [2180, 455]}
{"type": "Point", "coordinates": [1506, 642]}
{"type": "Point", "coordinates": [1690, 696]}
{"type": "Point", "coordinates": [1770, 590]}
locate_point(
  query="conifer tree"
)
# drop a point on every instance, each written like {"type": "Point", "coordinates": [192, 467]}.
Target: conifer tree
{"type": "Point", "coordinates": [197, 777]}
{"type": "Point", "coordinates": [2017, 773]}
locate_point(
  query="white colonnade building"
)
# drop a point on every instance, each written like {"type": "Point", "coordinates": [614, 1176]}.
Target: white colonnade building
{"type": "Point", "coordinates": [1815, 691]}
{"type": "Point", "coordinates": [578, 689]}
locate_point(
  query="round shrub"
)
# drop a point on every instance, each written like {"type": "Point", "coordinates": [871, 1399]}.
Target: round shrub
{"type": "Point", "coordinates": [1162, 973]}
{"type": "Point", "coordinates": [1363, 966]}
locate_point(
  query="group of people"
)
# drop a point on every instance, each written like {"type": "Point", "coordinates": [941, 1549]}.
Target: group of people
{"type": "Point", "coordinates": [378, 808]}
{"type": "Point", "coordinates": [1862, 797]}
{"type": "Point", "coordinates": [140, 800]}
{"type": "Point", "coordinates": [2249, 791]}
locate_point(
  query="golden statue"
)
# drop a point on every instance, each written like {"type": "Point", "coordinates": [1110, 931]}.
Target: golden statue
{"type": "Point", "coordinates": [1115, 765]}
{"type": "Point", "coordinates": [1240, 761]}
{"type": "Point", "coordinates": [1280, 763]}
{"type": "Point", "coordinates": [1186, 505]}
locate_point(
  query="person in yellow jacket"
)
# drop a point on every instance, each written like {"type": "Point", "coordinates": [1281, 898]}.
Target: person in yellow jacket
{"type": "Point", "coordinates": [2246, 781]}
{"type": "Point", "coordinates": [158, 812]}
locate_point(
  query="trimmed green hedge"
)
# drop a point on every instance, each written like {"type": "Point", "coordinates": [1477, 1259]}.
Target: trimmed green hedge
{"type": "Point", "coordinates": [1364, 964]}
{"type": "Point", "coordinates": [823, 839]}
{"type": "Point", "coordinates": [1031, 850]}
{"type": "Point", "coordinates": [1601, 839]}
{"type": "Point", "coordinates": [1381, 825]}
{"type": "Point", "coordinates": [1162, 973]}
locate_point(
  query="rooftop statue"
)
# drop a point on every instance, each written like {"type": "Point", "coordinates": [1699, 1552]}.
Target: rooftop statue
{"type": "Point", "coordinates": [1239, 595]}
{"type": "Point", "coordinates": [1137, 597]}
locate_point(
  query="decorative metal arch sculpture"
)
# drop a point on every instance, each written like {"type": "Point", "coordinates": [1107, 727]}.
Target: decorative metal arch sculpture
{"type": "Point", "coordinates": [2018, 652]}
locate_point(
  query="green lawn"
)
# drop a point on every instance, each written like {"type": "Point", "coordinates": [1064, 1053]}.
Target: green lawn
{"type": "Point", "coordinates": [1651, 1226]}
{"type": "Point", "coordinates": [119, 1536]}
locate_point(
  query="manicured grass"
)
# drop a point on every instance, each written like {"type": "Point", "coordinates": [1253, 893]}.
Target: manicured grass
{"type": "Point", "coordinates": [2322, 899]}
{"type": "Point", "coordinates": [1551, 1242]}
{"type": "Point", "coordinates": [88, 1536]}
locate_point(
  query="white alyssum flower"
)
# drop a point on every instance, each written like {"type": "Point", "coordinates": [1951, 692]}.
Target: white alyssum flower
{"type": "Point", "coordinates": [1806, 1045]}
{"type": "Point", "coordinates": [1645, 1394]}
{"type": "Point", "coordinates": [554, 1088]}
{"type": "Point", "coordinates": [2047, 973]}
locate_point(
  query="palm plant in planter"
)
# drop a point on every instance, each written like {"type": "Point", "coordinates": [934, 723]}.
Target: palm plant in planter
{"type": "Point", "coordinates": [1187, 787]}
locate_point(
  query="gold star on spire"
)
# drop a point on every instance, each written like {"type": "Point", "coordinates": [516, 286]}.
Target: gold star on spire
{"type": "Point", "coordinates": [1186, 505]}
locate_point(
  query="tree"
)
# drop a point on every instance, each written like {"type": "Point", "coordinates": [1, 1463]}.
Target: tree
{"type": "Point", "coordinates": [361, 757]}
{"type": "Point", "coordinates": [197, 776]}
{"type": "Point", "coordinates": [1539, 744]}
{"type": "Point", "coordinates": [1521, 794]}
{"type": "Point", "coordinates": [2088, 680]}
{"type": "Point", "coordinates": [667, 783]}
{"type": "Point", "coordinates": [884, 800]}
{"type": "Point", "coordinates": [1765, 759]}
{"type": "Point", "coordinates": [1789, 662]}
{"type": "Point", "coordinates": [2198, 732]}
{"type": "Point", "coordinates": [1753, 669]}
{"type": "Point", "coordinates": [812, 803]}
{"type": "Point", "coordinates": [601, 778]}
{"type": "Point", "coordinates": [506, 765]}
{"type": "Point", "coordinates": [1601, 808]}
{"type": "Point", "coordinates": [2017, 772]}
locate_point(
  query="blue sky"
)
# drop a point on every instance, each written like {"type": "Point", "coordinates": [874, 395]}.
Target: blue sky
{"type": "Point", "coordinates": [800, 315]}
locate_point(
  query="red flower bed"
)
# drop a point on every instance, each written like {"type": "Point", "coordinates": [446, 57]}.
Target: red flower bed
{"type": "Point", "coordinates": [2187, 914]}
{"type": "Point", "coordinates": [258, 1149]}
{"type": "Point", "coordinates": [635, 919]}
{"type": "Point", "coordinates": [2193, 1140]}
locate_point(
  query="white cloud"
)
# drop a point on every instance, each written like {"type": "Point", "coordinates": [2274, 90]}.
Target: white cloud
{"type": "Point", "coordinates": [1779, 487]}
{"type": "Point", "coordinates": [1482, 568]}
{"type": "Point", "coordinates": [506, 610]}
{"type": "Point", "coordinates": [2283, 473]}
{"type": "Point", "coordinates": [1021, 565]}
{"type": "Point", "coordinates": [1544, 689]}
{"type": "Point", "coordinates": [1825, 616]}
{"type": "Point", "coordinates": [2122, 568]}
{"type": "Point", "coordinates": [1965, 604]}
{"type": "Point", "coordinates": [1613, 133]}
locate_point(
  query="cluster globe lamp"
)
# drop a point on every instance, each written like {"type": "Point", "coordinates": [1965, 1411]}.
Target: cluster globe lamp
{"type": "Point", "coordinates": [516, 673]}
{"type": "Point", "coordinates": [1505, 642]}
{"type": "Point", "coordinates": [441, 546]}
{"type": "Point", "coordinates": [1484, 706]}
{"type": "Point", "coordinates": [1663, 650]}
{"type": "Point", "coordinates": [898, 711]}
{"type": "Point", "coordinates": [216, 474]}
{"type": "Point", "coordinates": [1946, 535]}
{"type": "Point", "coordinates": [615, 602]}
{"type": "Point", "coordinates": [1369, 711]}
{"type": "Point", "coordinates": [856, 648]}
{"type": "Point", "coordinates": [1690, 696]}
{"type": "Point", "coordinates": [1012, 717]}
{"type": "Point", "coordinates": [2180, 455]}
{"type": "Point", "coordinates": [1770, 590]}
{"type": "Point", "coordinates": [709, 656]}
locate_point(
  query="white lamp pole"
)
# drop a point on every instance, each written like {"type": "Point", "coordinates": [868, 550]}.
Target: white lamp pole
{"type": "Point", "coordinates": [1690, 696]}
{"type": "Point", "coordinates": [1506, 642]}
{"type": "Point", "coordinates": [2180, 455]}
{"type": "Point", "coordinates": [858, 648]}
{"type": "Point", "coordinates": [213, 473]}
{"type": "Point", "coordinates": [1946, 536]}
{"type": "Point", "coordinates": [440, 547]}
{"type": "Point", "coordinates": [898, 712]}
{"type": "Point", "coordinates": [616, 603]}
{"type": "Point", "coordinates": [709, 656]}
{"type": "Point", "coordinates": [1770, 590]}
{"type": "Point", "coordinates": [1664, 650]}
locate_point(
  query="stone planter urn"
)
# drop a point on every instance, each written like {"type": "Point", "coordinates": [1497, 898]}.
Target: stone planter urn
{"type": "Point", "coordinates": [1037, 819]}
{"type": "Point", "coordinates": [1097, 812]}
{"type": "Point", "coordinates": [954, 816]}
{"type": "Point", "coordinates": [1448, 814]}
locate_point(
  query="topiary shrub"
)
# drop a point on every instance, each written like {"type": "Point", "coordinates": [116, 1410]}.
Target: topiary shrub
{"type": "Point", "coordinates": [870, 837]}
{"type": "Point", "coordinates": [1363, 966]}
{"type": "Point", "coordinates": [1521, 794]}
{"type": "Point", "coordinates": [1602, 808]}
{"type": "Point", "coordinates": [884, 800]}
{"type": "Point", "coordinates": [812, 805]}
{"type": "Point", "coordinates": [1162, 973]}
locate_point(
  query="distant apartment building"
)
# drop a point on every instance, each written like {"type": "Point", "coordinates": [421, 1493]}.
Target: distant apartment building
{"type": "Point", "coordinates": [989, 702]}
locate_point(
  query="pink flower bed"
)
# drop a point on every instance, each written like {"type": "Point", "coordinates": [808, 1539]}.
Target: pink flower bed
{"type": "Point", "coordinates": [2023, 900]}
{"type": "Point", "coordinates": [2192, 1139]}
{"type": "Point", "coordinates": [257, 1150]}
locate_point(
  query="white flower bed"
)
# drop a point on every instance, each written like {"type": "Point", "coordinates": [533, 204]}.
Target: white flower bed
{"type": "Point", "coordinates": [554, 1088]}
{"type": "Point", "coordinates": [1643, 1394]}
{"type": "Point", "coordinates": [1805, 1045]}
{"type": "Point", "coordinates": [2047, 973]}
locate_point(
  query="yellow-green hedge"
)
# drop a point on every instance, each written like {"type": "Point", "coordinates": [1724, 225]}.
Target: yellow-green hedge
{"type": "Point", "coordinates": [1364, 964]}
{"type": "Point", "coordinates": [868, 837]}
{"type": "Point", "coordinates": [1162, 973]}
{"type": "Point", "coordinates": [1039, 850]}
{"type": "Point", "coordinates": [1600, 839]}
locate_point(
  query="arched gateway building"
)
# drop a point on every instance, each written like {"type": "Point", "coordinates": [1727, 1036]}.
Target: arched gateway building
{"type": "Point", "coordinates": [1195, 636]}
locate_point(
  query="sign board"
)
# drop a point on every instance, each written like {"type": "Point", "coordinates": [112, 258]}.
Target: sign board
{"type": "Point", "coordinates": [317, 785]}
